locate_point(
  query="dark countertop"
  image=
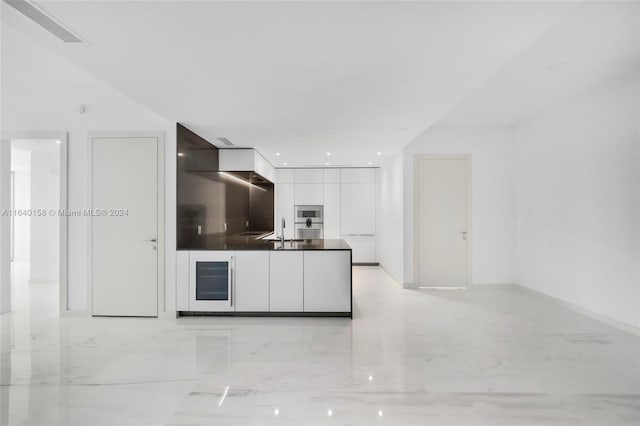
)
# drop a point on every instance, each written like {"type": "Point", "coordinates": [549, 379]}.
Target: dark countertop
{"type": "Point", "coordinates": [239, 242]}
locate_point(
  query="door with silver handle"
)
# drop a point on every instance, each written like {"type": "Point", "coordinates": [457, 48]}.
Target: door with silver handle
{"type": "Point", "coordinates": [154, 241]}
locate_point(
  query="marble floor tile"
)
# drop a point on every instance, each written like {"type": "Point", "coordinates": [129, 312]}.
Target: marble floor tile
{"type": "Point", "coordinates": [483, 356]}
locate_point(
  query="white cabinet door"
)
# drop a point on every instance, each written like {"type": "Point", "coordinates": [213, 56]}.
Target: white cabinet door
{"type": "Point", "coordinates": [358, 208]}
{"type": "Point", "coordinates": [327, 281]}
{"type": "Point", "coordinates": [182, 281]}
{"type": "Point", "coordinates": [355, 175]}
{"type": "Point", "coordinates": [286, 281]}
{"type": "Point", "coordinates": [309, 194]}
{"type": "Point", "coordinates": [285, 176]}
{"type": "Point", "coordinates": [332, 211]}
{"type": "Point", "coordinates": [308, 176]}
{"type": "Point", "coordinates": [331, 175]}
{"type": "Point", "coordinates": [363, 247]}
{"type": "Point", "coordinates": [252, 281]}
{"type": "Point", "coordinates": [284, 209]}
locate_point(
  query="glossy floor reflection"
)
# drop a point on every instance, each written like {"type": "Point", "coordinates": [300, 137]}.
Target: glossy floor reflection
{"type": "Point", "coordinates": [487, 356]}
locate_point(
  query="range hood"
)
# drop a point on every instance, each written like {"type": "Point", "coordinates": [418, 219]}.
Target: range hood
{"type": "Point", "coordinates": [245, 160]}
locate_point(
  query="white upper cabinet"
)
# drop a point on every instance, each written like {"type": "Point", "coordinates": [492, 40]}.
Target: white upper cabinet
{"type": "Point", "coordinates": [285, 176]}
{"type": "Point", "coordinates": [364, 175]}
{"type": "Point", "coordinates": [308, 176]}
{"type": "Point", "coordinates": [358, 208]}
{"type": "Point", "coordinates": [309, 194]}
{"type": "Point", "coordinates": [284, 209]}
{"type": "Point", "coordinates": [331, 175]}
{"type": "Point", "coordinates": [332, 210]}
{"type": "Point", "coordinates": [349, 199]}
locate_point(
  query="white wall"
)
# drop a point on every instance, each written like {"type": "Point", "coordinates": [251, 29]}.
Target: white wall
{"type": "Point", "coordinates": [21, 168]}
{"type": "Point", "coordinates": [389, 217]}
{"type": "Point", "coordinates": [44, 264]}
{"type": "Point", "coordinates": [40, 92]}
{"type": "Point", "coordinates": [493, 196]}
{"type": "Point", "coordinates": [5, 226]}
{"type": "Point", "coordinates": [578, 217]}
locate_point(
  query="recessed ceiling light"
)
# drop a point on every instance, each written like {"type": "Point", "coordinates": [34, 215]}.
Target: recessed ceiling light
{"type": "Point", "coordinates": [370, 163]}
{"type": "Point", "coordinates": [277, 154]}
{"type": "Point", "coordinates": [330, 413]}
{"type": "Point", "coordinates": [276, 412]}
{"type": "Point", "coordinates": [380, 413]}
{"type": "Point", "coordinates": [328, 154]}
{"type": "Point", "coordinates": [284, 164]}
{"type": "Point", "coordinates": [378, 153]}
{"type": "Point", "coordinates": [58, 142]}
{"type": "Point", "coordinates": [326, 164]}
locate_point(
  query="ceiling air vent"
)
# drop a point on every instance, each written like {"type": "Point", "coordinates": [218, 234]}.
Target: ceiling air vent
{"type": "Point", "coordinates": [225, 141]}
{"type": "Point", "coordinates": [44, 19]}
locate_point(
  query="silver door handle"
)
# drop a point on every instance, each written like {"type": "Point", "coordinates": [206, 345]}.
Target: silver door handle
{"type": "Point", "coordinates": [231, 287]}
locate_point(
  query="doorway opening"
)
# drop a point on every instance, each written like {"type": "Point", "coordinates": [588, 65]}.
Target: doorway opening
{"type": "Point", "coordinates": [37, 224]}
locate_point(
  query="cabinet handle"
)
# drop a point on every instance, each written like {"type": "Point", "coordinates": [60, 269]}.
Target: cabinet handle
{"type": "Point", "coordinates": [231, 286]}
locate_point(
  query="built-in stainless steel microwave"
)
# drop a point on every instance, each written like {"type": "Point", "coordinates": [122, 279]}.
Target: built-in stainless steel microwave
{"type": "Point", "coordinates": [303, 213]}
{"type": "Point", "coordinates": [309, 222]}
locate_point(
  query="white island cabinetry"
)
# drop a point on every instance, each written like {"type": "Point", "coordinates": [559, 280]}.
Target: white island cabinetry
{"type": "Point", "coordinates": [327, 281]}
{"type": "Point", "coordinates": [286, 281]}
{"type": "Point", "coordinates": [271, 281]}
{"type": "Point", "coordinates": [252, 281]}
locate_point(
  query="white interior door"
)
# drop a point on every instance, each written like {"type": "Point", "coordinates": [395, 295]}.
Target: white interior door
{"type": "Point", "coordinates": [125, 255]}
{"type": "Point", "coordinates": [443, 194]}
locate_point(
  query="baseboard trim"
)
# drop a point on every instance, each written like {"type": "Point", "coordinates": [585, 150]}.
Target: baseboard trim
{"type": "Point", "coordinates": [391, 276]}
{"type": "Point", "coordinates": [415, 286]}
{"type": "Point", "coordinates": [622, 326]}
{"type": "Point", "coordinates": [30, 281]}
{"type": "Point", "coordinates": [74, 313]}
{"type": "Point", "coordinates": [168, 315]}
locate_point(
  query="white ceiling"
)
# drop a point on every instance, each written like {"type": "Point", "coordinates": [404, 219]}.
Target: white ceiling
{"type": "Point", "coordinates": [597, 42]}
{"type": "Point", "coordinates": [299, 78]}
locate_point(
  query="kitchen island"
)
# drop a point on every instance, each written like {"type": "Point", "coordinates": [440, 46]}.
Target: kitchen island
{"type": "Point", "coordinates": [242, 275]}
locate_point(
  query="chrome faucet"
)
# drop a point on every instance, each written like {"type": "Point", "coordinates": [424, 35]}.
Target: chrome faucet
{"type": "Point", "coordinates": [282, 234]}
